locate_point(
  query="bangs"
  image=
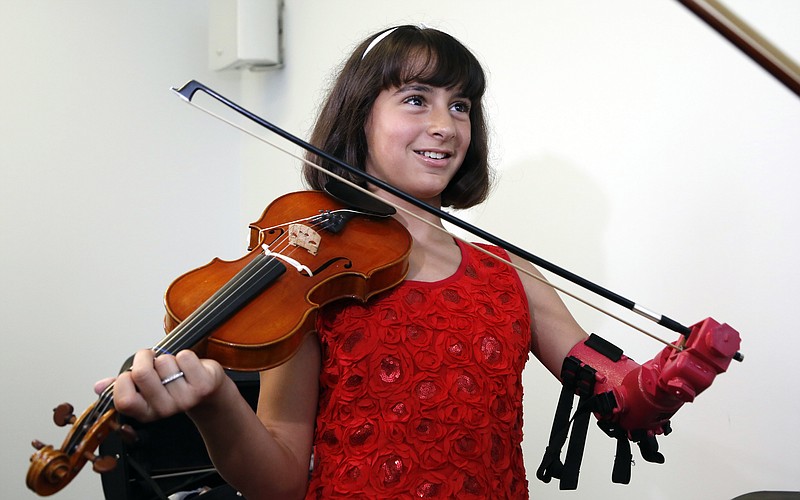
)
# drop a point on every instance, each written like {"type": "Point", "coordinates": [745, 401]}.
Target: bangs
{"type": "Point", "coordinates": [432, 58]}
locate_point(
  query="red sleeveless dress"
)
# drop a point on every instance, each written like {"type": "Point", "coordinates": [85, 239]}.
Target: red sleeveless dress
{"type": "Point", "coordinates": [420, 390]}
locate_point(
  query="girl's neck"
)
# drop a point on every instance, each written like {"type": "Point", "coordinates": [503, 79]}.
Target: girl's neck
{"type": "Point", "coordinates": [434, 254]}
{"type": "Point", "coordinates": [430, 223]}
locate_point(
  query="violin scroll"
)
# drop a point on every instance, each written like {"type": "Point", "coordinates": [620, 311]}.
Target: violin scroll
{"type": "Point", "coordinates": [52, 469]}
{"type": "Point", "coordinates": [49, 470]}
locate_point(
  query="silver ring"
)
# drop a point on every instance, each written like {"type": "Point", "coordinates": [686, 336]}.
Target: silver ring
{"type": "Point", "coordinates": [171, 378]}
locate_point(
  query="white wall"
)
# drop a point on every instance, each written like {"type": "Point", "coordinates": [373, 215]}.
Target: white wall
{"type": "Point", "coordinates": [111, 187]}
{"type": "Point", "coordinates": [635, 146]}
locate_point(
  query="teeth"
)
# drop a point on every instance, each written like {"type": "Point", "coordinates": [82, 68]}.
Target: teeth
{"type": "Point", "coordinates": [432, 155]}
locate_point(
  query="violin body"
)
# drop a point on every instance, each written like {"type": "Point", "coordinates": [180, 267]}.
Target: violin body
{"type": "Point", "coordinates": [369, 256]}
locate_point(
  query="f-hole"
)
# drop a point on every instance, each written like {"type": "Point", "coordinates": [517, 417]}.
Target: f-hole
{"type": "Point", "coordinates": [348, 264]}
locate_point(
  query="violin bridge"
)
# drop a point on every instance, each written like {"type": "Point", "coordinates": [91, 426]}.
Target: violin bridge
{"type": "Point", "coordinates": [304, 237]}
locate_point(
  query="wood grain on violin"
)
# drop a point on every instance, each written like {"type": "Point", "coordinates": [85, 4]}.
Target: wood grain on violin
{"type": "Point", "coordinates": [368, 257]}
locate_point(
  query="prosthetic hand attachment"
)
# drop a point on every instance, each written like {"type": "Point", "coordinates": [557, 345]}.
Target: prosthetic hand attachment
{"type": "Point", "coordinates": [631, 401]}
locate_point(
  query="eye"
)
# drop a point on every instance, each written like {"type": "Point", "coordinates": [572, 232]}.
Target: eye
{"type": "Point", "coordinates": [414, 100]}
{"type": "Point", "coordinates": [460, 106]}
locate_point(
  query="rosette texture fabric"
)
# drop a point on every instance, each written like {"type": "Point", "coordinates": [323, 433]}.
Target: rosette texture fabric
{"type": "Point", "coordinates": [420, 390]}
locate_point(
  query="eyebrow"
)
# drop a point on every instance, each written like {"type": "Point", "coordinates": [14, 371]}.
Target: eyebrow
{"type": "Point", "coordinates": [414, 87]}
{"type": "Point", "coordinates": [424, 87]}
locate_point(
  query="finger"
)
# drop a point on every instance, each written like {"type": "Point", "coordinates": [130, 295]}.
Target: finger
{"type": "Point", "coordinates": [203, 375]}
{"type": "Point", "coordinates": [146, 372]}
{"type": "Point", "coordinates": [184, 378]}
{"type": "Point", "coordinates": [168, 370]}
{"type": "Point", "coordinates": [102, 385]}
{"type": "Point", "coordinates": [143, 372]}
{"type": "Point", "coordinates": [128, 400]}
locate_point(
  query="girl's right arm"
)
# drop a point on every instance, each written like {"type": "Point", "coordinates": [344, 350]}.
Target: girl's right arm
{"type": "Point", "coordinates": [266, 455]}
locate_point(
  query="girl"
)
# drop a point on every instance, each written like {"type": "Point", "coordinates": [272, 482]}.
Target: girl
{"type": "Point", "coordinates": [417, 392]}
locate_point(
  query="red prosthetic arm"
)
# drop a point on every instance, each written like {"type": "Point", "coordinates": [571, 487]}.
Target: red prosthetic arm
{"type": "Point", "coordinates": [631, 401]}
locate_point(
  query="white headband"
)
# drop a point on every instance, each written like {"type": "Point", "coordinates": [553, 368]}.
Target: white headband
{"type": "Point", "coordinates": [375, 41]}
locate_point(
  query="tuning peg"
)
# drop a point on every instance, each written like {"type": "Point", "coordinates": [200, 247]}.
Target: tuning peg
{"type": "Point", "coordinates": [101, 464]}
{"type": "Point", "coordinates": [125, 431]}
{"type": "Point", "coordinates": [63, 414]}
{"type": "Point", "coordinates": [37, 444]}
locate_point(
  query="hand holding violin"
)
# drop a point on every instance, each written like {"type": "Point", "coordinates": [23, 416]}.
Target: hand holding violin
{"type": "Point", "coordinates": [157, 387]}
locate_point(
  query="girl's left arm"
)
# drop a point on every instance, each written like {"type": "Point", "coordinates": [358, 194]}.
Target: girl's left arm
{"type": "Point", "coordinates": [554, 332]}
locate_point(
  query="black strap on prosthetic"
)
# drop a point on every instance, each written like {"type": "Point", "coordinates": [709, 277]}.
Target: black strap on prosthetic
{"type": "Point", "coordinates": [621, 474]}
{"type": "Point", "coordinates": [577, 379]}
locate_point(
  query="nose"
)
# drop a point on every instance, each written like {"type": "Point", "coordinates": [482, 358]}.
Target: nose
{"type": "Point", "coordinates": [441, 123]}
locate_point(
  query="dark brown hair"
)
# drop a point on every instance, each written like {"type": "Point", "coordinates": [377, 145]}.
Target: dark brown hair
{"type": "Point", "coordinates": [407, 54]}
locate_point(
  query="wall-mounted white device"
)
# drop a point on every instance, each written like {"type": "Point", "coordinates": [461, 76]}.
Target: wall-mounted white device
{"type": "Point", "coordinates": [245, 34]}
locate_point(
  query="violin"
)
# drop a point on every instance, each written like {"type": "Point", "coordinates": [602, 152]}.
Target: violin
{"type": "Point", "coordinates": [251, 314]}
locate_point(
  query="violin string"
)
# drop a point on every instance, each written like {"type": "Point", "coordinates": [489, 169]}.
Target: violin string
{"type": "Point", "coordinates": [314, 222]}
{"type": "Point", "coordinates": [180, 336]}
{"type": "Point", "coordinates": [422, 219]}
{"type": "Point", "coordinates": [184, 335]}
{"type": "Point", "coordinates": [105, 402]}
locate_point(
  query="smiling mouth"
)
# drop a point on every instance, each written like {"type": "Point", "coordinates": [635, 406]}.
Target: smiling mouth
{"type": "Point", "coordinates": [433, 155]}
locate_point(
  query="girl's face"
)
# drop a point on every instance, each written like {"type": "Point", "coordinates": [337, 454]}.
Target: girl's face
{"type": "Point", "coordinates": [417, 138]}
